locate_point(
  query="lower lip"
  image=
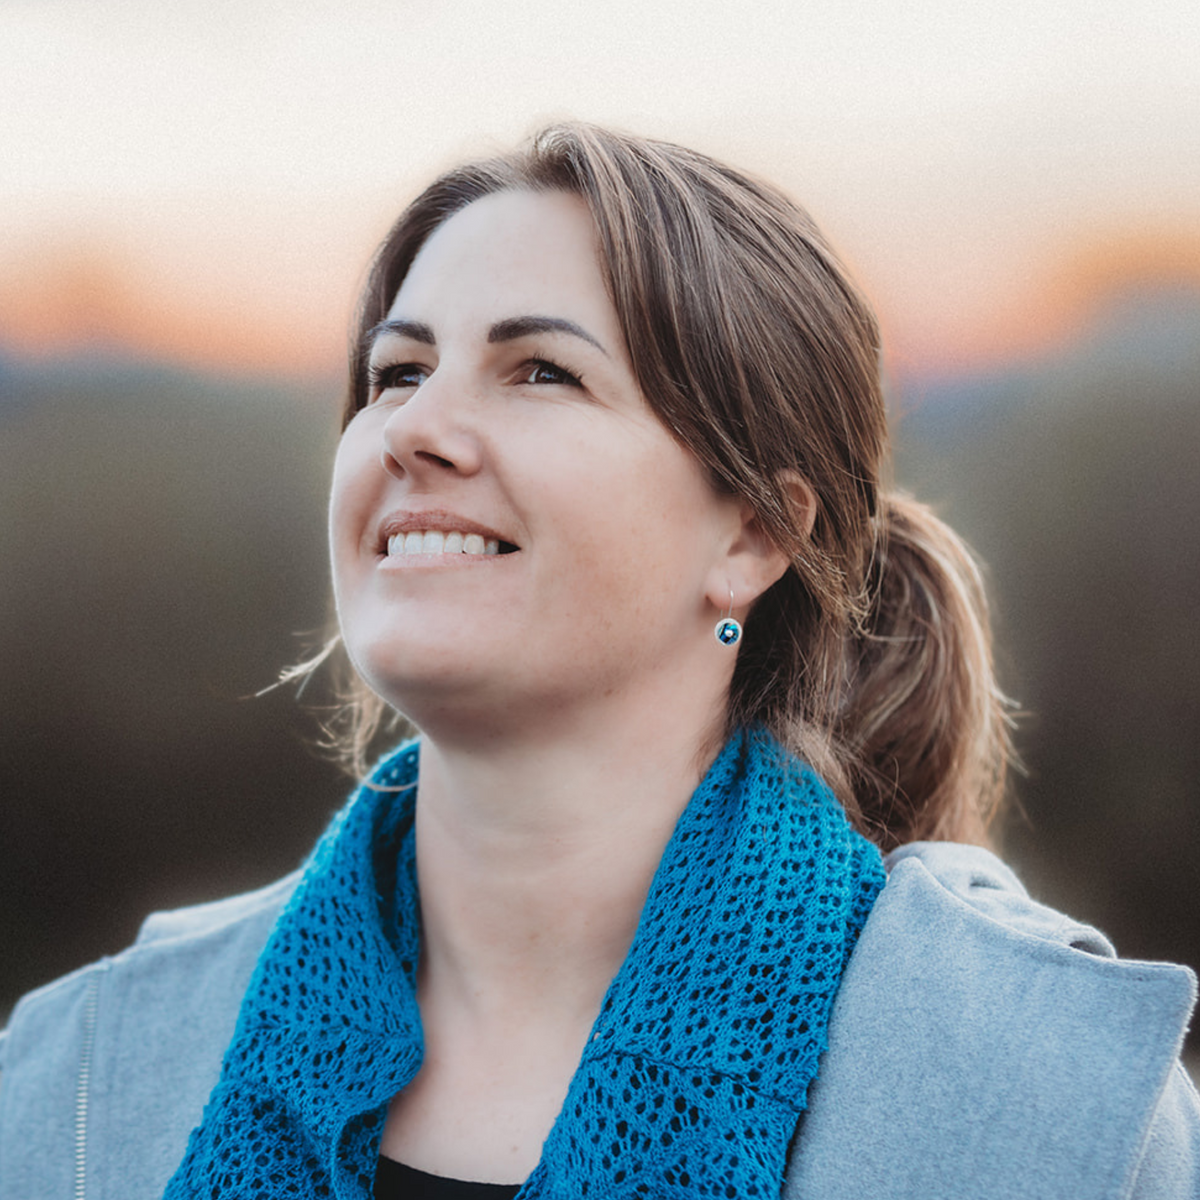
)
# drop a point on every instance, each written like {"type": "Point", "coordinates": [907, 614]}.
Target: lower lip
{"type": "Point", "coordinates": [412, 562]}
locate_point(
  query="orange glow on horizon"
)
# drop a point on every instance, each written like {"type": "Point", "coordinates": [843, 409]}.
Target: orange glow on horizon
{"type": "Point", "coordinates": [1058, 310]}
{"type": "Point", "coordinates": [66, 301]}
{"type": "Point", "coordinates": [80, 298]}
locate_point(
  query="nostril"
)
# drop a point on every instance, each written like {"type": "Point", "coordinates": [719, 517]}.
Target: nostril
{"type": "Point", "coordinates": [434, 459]}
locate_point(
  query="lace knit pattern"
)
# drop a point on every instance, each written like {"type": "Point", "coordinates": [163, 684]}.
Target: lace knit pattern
{"type": "Point", "coordinates": [699, 1061]}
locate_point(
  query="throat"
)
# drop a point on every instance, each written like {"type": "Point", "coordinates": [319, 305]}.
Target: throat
{"type": "Point", "coordinates": [485, 1098]}
{"type": "Point", "coordinates": [519, 936]}
{"type": "Point", "coordinates": [533, 880]}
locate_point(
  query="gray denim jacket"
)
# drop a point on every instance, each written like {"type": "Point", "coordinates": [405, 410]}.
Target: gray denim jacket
{"type": "Point", "coordinates": [981, 1045]}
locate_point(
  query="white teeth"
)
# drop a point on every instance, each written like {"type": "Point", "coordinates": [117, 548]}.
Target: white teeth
{"type": "Point", "coordinates": [435, 541]}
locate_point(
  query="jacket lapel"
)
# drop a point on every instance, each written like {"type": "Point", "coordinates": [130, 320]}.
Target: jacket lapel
{"type": "Point", "coordinates": [975, 1051]}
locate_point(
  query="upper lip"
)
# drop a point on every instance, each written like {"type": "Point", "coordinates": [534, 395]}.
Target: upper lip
{"type": "Point", "coordinates": [447, 522]}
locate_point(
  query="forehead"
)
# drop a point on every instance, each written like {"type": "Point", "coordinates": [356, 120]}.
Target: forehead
{"type": "Point", "coordinates": [511, 252]}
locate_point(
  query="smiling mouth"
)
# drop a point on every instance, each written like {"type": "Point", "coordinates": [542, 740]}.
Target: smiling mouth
{"type": "Point", "coordinates": [437, 541]}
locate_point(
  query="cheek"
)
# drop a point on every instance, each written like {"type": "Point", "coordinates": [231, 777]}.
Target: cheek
{"type": "Point", "coordinates": [644, 527]}
{"type": "Point", "coordinates": [350, 488]}
{"type": "Point", "coordinates": [672, 501]}
{"type": "Point", "coordinates": [339, 505]}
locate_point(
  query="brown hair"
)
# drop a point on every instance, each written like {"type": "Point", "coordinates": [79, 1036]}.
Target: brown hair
{"type": "Point", "coordinates": [871, 656]}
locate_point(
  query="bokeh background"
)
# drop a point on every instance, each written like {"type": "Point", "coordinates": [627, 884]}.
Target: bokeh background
{"type": "Point", "coordinates": [189, 194]}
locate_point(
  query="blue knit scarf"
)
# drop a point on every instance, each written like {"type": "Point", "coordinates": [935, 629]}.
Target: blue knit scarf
{"type": "Point", "coordinates": [699, 1062]}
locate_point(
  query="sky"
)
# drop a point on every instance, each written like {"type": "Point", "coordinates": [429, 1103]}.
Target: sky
{"type": "Point", "coordinates": [204, 182]}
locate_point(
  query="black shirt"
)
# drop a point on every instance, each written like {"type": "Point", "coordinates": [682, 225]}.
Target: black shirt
{"type": "Point", "coordinates": [395, 1181]}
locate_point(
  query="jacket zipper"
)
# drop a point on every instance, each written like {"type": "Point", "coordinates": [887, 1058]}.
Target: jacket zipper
{"type": "Point", "coordinates": [83, 1085]}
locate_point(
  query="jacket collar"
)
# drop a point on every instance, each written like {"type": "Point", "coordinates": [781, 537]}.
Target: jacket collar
{"type": "Point", "coordinates": [982, 1044]}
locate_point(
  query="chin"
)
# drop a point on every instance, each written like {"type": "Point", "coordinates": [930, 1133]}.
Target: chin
{"type": "Point", "coordinates": [415, 678]}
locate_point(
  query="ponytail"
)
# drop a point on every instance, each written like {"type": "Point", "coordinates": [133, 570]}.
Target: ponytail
{"type": "Point", "coordinates": [924, 731]}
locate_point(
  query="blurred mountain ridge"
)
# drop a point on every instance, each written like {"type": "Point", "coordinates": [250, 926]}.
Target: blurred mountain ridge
{"type": "Point", "coordinates": [1140, 330]}
{"type": "Point", "coordinates": [1074, 479]}
{"type": "Point", "coordinates": [162, 534]}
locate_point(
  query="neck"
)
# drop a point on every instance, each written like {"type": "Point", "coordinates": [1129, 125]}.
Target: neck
{"type": "Point", "coordinates": [535, 855]}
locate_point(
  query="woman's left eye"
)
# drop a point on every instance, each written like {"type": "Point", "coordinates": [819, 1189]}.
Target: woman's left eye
{"type": "Point", "coordinates": [538, 370]}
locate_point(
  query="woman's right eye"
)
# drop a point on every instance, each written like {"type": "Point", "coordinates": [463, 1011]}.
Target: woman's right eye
{"type": "Point", "coordinates": [386, 377]}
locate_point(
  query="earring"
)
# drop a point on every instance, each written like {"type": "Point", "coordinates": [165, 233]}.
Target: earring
{"type": "Point", "coordinates": [729, 630]}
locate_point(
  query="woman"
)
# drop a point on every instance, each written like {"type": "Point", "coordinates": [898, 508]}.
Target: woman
{"type": "Point", "coordinates": [608, 526]}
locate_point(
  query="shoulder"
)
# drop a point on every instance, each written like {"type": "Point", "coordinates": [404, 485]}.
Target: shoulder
{"type": "Point", "coordinates": [247, 910]}
{"type": "Point", "coordinates": [224, 937]}
{"type": "Point", "coordinates": [981, 1036]}
{"type": "Point", "coordinates": [957, 946]}
{"type": "Point", "coordinates": [226, 932]}
{"type": "Point", "coordinates": [952, 874]}
{"type": "Point", "coordinates": [136, 1033]}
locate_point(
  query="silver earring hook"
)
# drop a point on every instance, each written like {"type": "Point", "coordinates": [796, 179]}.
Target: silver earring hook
{"type": "Point", "coordinates": [729, 630]}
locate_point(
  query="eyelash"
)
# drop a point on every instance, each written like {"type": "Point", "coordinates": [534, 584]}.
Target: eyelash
{"type": "Point", "coordinates": [384, 376]}
{"type": "Point", "coordinates": [569, 378]}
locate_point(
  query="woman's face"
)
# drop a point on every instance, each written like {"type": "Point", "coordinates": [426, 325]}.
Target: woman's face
{"type": "Point", "coordinates": [513, 531]}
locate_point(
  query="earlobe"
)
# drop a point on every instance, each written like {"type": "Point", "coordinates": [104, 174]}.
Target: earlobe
{"type": "Point", "coordinates": [755, 560]}
{"type": "Point", "coordinates": [752, 563]}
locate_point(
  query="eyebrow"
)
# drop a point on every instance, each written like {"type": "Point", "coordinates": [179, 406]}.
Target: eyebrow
{"type": "Point", "coordinates": [518, 327]}
{"type": "Point", "coordinates": [507, 330]}
{"type": "Point", "coordinates": [415, 331]}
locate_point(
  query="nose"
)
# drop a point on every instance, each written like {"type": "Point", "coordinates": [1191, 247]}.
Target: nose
{"type": "Point", "coordinates": [430, 434]}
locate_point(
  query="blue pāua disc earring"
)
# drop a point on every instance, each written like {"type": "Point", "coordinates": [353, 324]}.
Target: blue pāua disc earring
{"type": "Point", "coordinates": [729, 630]}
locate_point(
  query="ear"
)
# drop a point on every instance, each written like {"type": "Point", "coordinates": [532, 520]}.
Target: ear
{"type": "Point", "coordinates": [753, 560]}
{"type": "Point", "coordinates": [801, 499]}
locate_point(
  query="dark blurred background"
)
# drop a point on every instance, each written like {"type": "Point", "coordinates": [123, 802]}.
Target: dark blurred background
{"type": "Point", "coordinates": [162, 540]}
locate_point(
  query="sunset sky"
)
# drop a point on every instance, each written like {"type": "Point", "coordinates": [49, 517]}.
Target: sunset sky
{"type": "Point", "coordinates": [204, 182]}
